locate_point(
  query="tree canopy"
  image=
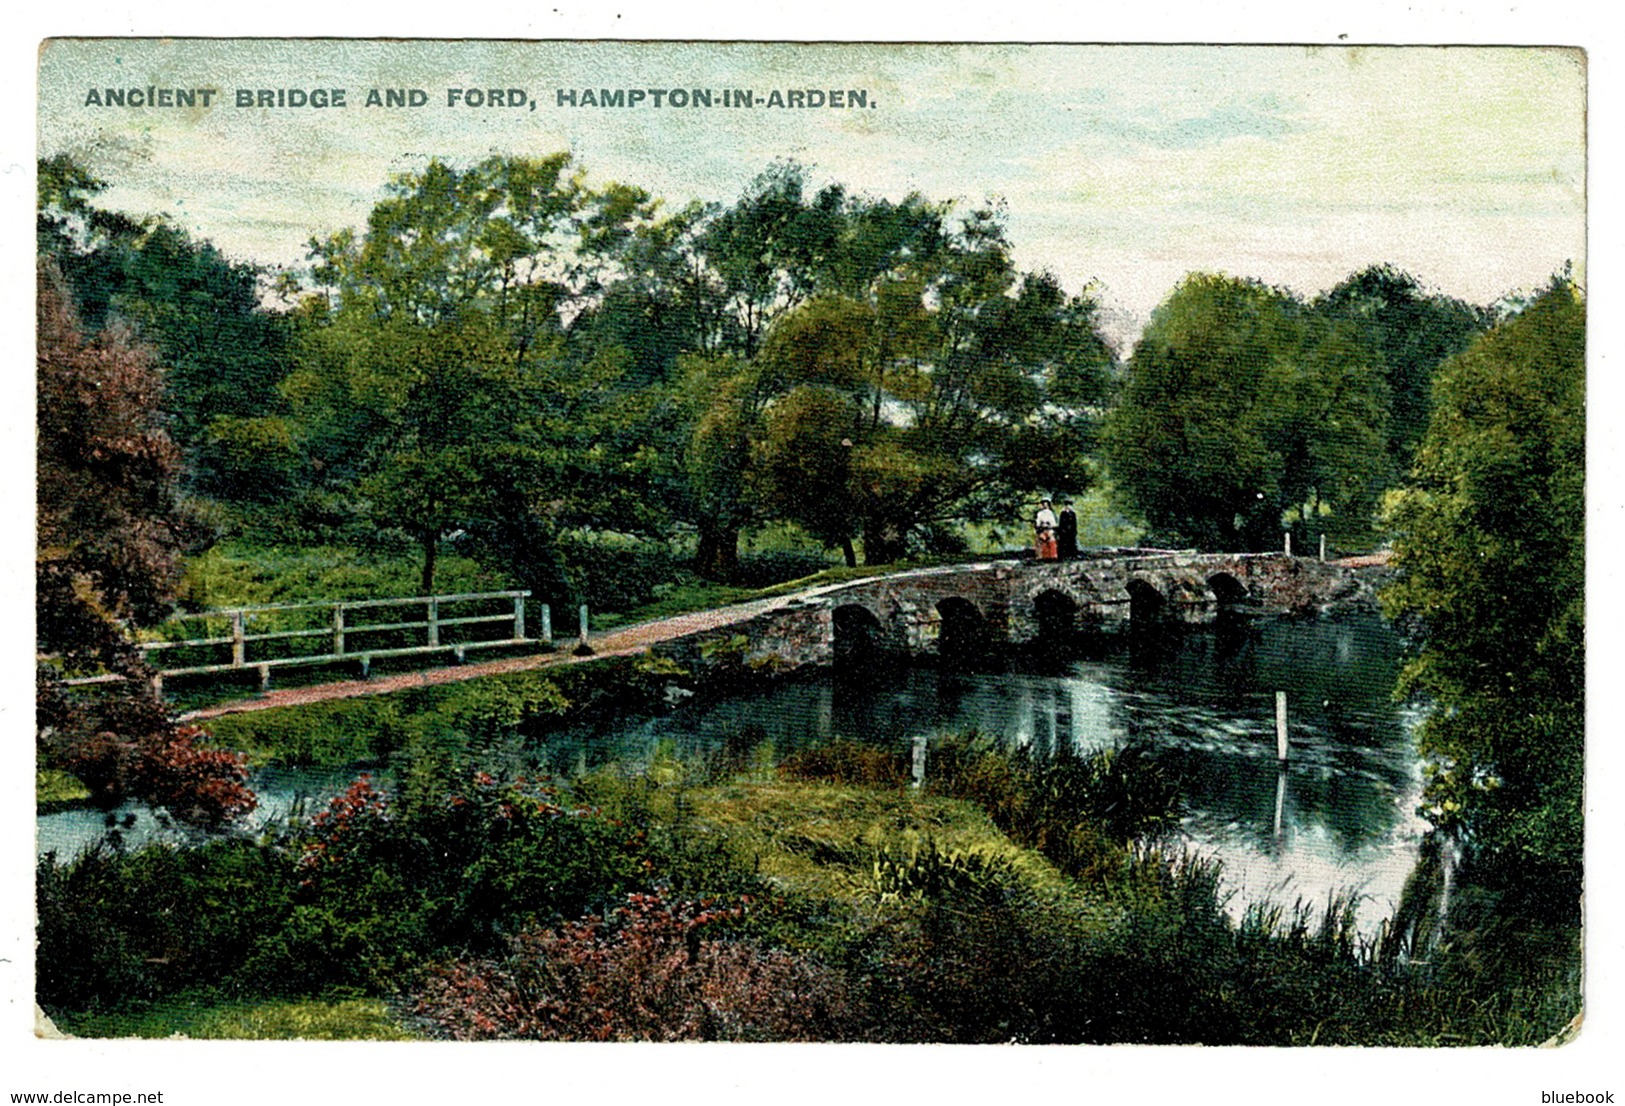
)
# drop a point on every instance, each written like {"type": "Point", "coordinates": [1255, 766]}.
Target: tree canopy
{"type": "Point", "coordinates": [1239, 405]}
{"type": "Point", "coordinates": [1491, 550]}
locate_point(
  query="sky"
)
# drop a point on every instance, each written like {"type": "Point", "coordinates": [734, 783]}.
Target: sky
{"type": "Point", "coordinates": [1120, 168]}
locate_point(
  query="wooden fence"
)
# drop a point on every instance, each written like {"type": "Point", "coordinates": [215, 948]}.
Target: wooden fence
{"type": "Point", "coordinates": [343, 632]}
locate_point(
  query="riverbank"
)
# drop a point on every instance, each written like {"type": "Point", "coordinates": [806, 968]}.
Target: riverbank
{"type": "Point", "coordinates": [906, 914]}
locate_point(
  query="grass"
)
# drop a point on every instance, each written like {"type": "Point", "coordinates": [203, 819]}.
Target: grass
{"type": "Point", "coordinates": [237, 574]}
{"type": "Point", "coordinates": [822, 840]}
{"type": "Point", "coordinates": [52, 787]}
{"type": "Point", "coordinates": [344, 731]}
{"type": "Point", "coordinates": [205, 1018]}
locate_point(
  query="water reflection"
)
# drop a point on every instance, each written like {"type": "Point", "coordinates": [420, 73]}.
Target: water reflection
{"type": "Point", "coordinates": [1340, 817]}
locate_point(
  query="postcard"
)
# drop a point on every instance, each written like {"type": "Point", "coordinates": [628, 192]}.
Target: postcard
{"type": "Point", "coordinates": [842, 543]}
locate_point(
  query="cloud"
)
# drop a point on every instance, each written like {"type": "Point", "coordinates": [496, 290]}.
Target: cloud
{"type": "Point", "coordinates": [1259, 117]}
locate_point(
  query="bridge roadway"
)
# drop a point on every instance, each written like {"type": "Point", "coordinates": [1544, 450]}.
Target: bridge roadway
{"type": "Point", "coordinates": [925, 611]}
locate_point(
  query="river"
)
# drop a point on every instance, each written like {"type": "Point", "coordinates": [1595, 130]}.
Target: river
{"type": "Point", "coordinates": [1340, 818]}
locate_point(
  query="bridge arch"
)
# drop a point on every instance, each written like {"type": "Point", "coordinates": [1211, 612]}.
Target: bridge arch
{"type": "Point", "coordinates": [859, 636]}
{"type": "Point", "coordinates": [1228, 590]}
{"type": "Point", "coordinates": [964, 629]}
{"type": "Point", "coordinates": [1056, 613]}
{"type": "Point", "coordinates": [1146, 602]}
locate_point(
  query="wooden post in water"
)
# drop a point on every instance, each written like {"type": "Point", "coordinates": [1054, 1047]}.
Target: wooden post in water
{"type": "Point", "coordinates": [919, 760]}
{"type": "Point", "coordinates": [1280, 797]}
{"type": "Point", "coordinates": [1280, 727]}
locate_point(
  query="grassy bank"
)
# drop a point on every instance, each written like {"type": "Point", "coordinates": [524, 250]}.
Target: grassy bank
{"type": "Point", "coordinates": [681, 903]}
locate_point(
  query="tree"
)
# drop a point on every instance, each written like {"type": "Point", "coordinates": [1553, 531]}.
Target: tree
{"type": "Point", "coordinates": [109, 543]}
{"type": "Point", "coordinates": [224, 353]}
{"type": "Point", "coordinates": [948, 387]}
{"type": "Point", "coordinates": [439, 383]}
{"type": "Point", "coordinates": [1414, 332]}
{"type": "Point", "coordinates": [742, 270]}
{"type": "Point", "coordinates": [1240, 406]}
{"type": "Point", "coordinates": [1491, 553]}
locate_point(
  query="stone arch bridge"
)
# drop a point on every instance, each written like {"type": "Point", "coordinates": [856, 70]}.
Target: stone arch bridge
{"type": "Point", "coordinates": [931, 611]}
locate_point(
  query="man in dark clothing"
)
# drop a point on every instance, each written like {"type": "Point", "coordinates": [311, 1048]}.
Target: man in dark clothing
{"type": "Point", "coordinates": [1066, 536]}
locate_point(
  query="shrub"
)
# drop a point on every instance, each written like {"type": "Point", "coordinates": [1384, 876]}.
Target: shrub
{"type": "Point", "coordinates": [777, 566]}
{"type": "Point", "coordinates": [652, 971]}
{"type": "Point", "coordinates": [117, 926]}
{"type": "Point", "coordinates": [614, 572]}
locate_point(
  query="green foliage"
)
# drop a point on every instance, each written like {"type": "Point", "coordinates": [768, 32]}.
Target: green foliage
{"type": "Point", "coordinates": [117, 927]}
{"type": "Point", "coordinates": [353, 898]}
{"type": "Point", "coordinates": [243, 574]}
{"type": "Point", "coordinates": [1079, 812]}
{"type": "Point", "coordinates": [1241, 404]}
{"type": "Point", "coordinates": [1414, 332]}
{"type": "Point", "coordinates": [53, 786]}
{"type": "Point", "coordinates": [615, 572]}
{"type": "Point", "coordinates": [1491, 550]}
{"type": "Point", "coordinates": [223, 353]}
{"type": "Point", "coordinates": [371, 728]}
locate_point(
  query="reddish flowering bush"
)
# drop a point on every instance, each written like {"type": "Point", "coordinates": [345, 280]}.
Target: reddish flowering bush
{"type": "Point", "coordinates": [168, 767]}
{"type": "Point", "coordinates": [652, 971]}
{"type": "Point", "coordinates": [348, 816]}
{"type": "Point", "coordinates": [197, 783]}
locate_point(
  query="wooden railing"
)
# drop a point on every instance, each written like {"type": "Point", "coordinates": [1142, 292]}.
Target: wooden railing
{"type": "Point", "coordinates": [340, 630]}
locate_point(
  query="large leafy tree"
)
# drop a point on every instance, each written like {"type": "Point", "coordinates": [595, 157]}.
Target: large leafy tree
{"type": "Point", "coordinates": [224, 353]}
{"type": "Point", "coordinates": [738, 271]}
{"type": "Point", "coordinates": [109, 542]}
{"type": "Point", "coordinates": [1491, 550]}
{"type": "Point", "coordinates": [439, 383]}
{"type": "Point", "coordinates": [946, 388]}
{"type": "Point", "coordinates": [1239, 407]}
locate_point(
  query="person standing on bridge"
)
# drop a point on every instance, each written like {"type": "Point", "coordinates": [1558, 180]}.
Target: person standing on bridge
{"type": "Point", "coordinates": [1066, 534]}
{"type": "Point", "coordinates": [1044, 530]}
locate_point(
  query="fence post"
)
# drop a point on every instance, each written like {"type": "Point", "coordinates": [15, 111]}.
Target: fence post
{"type": "Point", "coordinates": [238, 646]}
{"type": "Point", "coordinates": [434, 620]}
{"type": "Point", "coordinates": [1287, 534]}
{"type": "Point", "coordinates": [519, 617]}
{"type": "Point", "coordinates": [919, 761]}
{"type": "Point", "coordinates": [582, 649]}
{"type": "Point", "coordinates": [338, 630]}
{"type": "Point", "coordinates": [547, 624]}
{"type": "Point", "coordinates": [1323, 547]}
